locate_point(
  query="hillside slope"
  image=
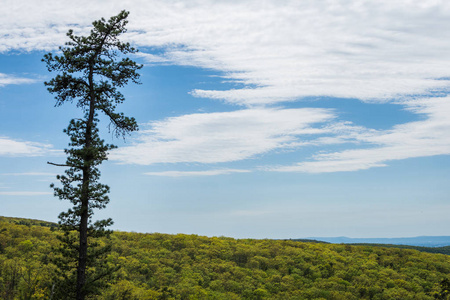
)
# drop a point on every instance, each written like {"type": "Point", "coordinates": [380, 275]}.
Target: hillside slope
{"type": "Point", "coordinates": [420, 241]}
{"type": "Point", "coordinates": [162, 266]}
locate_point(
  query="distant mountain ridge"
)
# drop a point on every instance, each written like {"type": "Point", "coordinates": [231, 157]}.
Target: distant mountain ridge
{"type": "Point", "coordinates": [423, 241]}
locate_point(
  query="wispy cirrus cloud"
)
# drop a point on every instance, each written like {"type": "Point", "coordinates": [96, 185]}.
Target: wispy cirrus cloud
{"type": "Point", "coordinates": [6, 79]}
{"type": "Point", "coordinates": [10, 147]}
{"type": "Point", "coordinates": [422, 138]}
{"type": "Point", "coordinates": [374, 51]}
{"type": "Point", "coordinates": [250, 213]}
{"type": "Point", "coordinates": [222, 137]}
{"type": "Point", "coordinates": [29, 174]}
{"type": "Point", "coordinates": [196, 173]}
{"type": "Point", "coordinates": [24, 193]}
{"type": "Point", "coordinates": [369, 50]}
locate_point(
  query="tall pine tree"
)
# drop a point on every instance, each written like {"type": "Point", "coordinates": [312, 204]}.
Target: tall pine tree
{"type": "Point", "coordinates": [90, 71]}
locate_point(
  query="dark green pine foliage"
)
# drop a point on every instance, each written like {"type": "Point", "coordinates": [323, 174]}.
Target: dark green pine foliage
{"type": "Point", "coordinates": [90, 71]}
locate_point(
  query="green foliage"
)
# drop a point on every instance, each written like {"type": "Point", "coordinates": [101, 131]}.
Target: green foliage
{"type": "Point", "coordinates": [442, 250]}
{"type": "Point", "coordinates": [28, 222]}
{"type": "Point", "coordinates": [162, 266]}
{"type": "Point", "coordinates": [444, 293]}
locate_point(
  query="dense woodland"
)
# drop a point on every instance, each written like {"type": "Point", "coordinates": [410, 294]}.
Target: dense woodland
{"type": "Point", "coordinates": [162, 266]}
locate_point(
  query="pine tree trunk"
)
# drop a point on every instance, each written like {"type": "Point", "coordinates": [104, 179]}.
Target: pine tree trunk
{"type": "Point", "coordinates": [82, 258]}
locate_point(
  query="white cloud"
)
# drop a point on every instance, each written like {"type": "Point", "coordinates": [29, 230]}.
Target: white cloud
{"type": "Point", "coordinates": [366, 50]}
{"type": "Point", "coordinates": [152, 59]}
{"type": "Point", "coordinates": [196, 173]}
{"type": "Point", "coordinates": [423, 138]}
{"type": "Point", "coordinates": [222, 137]}
{"type": "Point", "coordinates": [30, 174]}
{"type": "Point", "coordinates": [6, 79]}
{"type": "Point", "coordinates": [370, 50]}
{"type": "Point", "coordinates": [10, 147]}
{"type": "Point", "coordinates": [250, 213]}
{"type": "Point", "coordinates": [384, 50]}
{"type": "Point", "coordinates": [19, 193]}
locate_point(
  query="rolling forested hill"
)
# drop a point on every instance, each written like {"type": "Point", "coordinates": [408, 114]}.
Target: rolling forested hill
{"type": "Point", "coordinates": [420, 241]}
{"type": "Point", "coordinates": [441, 250]}
{"type": "Point", "coordinates": [162, 266]}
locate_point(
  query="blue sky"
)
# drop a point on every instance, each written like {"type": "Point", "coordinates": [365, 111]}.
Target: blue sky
{"type": "Point", "coordinates": [257, 119]}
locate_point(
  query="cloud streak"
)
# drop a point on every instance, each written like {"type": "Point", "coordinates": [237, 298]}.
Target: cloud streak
{"type": "Point", "coordinates": [423, 138]}
{"type": "Point", "coordinates": [6, 79]}
{"type": "Point", "coordinates": [10, 147]}
{"type": "Point", "coordinates": [21, 193]}
{"type": "Point", "coordinates": [30, 174]}
{"type": "Point", "coordinates": [196, 173]}
{"type": "Point", "coordinates": [222, 137]}
{"type": "Point", "coordinates": [374, 51]}
{"type": "Point", "coordinates": [369, 50]}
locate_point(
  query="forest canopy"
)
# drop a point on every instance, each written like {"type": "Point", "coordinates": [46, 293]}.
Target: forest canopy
{"type": "Point", "coordinates": [163, 266]}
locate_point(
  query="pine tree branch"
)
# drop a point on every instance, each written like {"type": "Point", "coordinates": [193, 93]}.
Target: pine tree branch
{"type": "Point", "coordinates": [58, 165]}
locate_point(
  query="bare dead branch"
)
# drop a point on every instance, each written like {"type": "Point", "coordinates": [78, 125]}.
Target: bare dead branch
{"type": "Point", "coordinates": [58, 165]}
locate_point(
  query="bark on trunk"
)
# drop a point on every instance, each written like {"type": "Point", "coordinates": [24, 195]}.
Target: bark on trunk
{"type": "Point", "coordinates": [82, 258]}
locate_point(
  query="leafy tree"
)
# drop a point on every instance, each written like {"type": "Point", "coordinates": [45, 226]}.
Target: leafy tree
{"type": "Point", "coordinates": [90, 71]}
{"type": "Point", "coordinates": [445, 290]}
